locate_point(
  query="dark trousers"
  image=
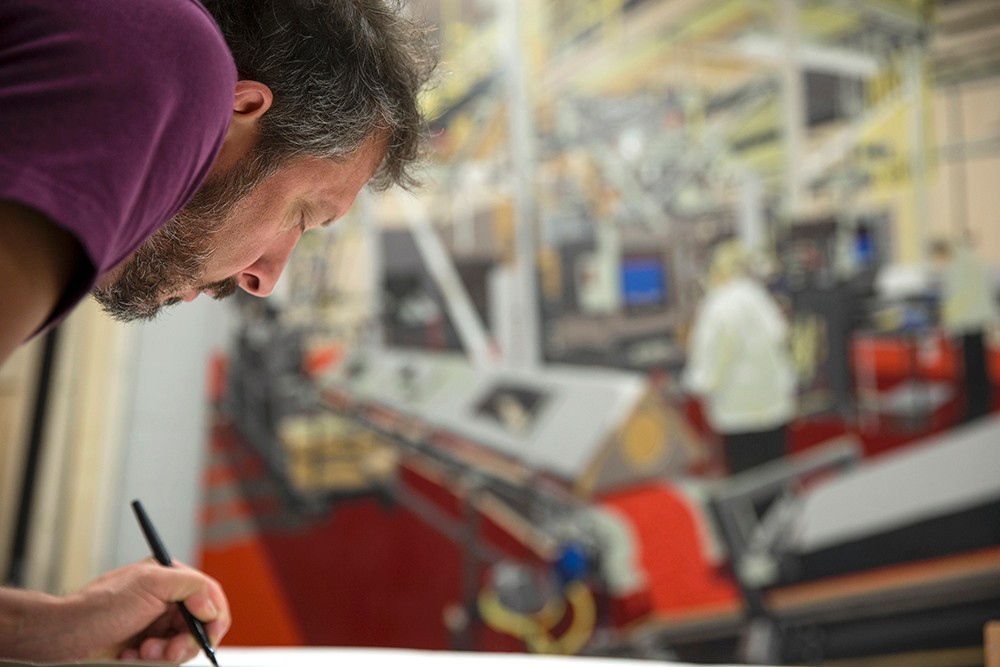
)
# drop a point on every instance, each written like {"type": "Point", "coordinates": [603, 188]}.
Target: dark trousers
{"type": "Point", "coordinates": [749, 450]}
{"type": "Point", "coordinates": [978, 393]}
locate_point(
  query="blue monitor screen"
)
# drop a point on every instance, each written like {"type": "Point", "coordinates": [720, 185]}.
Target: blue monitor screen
{"type": "Point", "coordinates": [644, 282]}
{"type": "Point", "coordinates": [864, 247]}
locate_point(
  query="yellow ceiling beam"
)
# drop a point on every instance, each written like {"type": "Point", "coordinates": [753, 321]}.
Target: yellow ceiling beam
{"type": "Point", "coordinates": [824, 21]}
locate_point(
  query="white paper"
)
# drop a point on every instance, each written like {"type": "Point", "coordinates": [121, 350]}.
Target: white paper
{"type": "Point", "coordinates": [365, 657]}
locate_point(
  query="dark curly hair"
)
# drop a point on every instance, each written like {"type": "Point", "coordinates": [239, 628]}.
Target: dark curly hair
{"type": "Point", "coordinates": [340, 71]}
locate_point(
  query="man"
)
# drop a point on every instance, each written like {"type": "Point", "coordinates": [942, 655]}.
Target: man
{"type": "Point", "coordinates": [151, 151]}
{"type": "Point", "coordinates": [740, 363]}
{"type": "Point", "coordinates": [968, 309]}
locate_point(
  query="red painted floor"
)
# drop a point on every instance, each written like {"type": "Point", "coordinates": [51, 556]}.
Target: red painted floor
{"type": "Point", "coordinates": [363, 574]}
{"type": "Point", "coordinates": [370, 574]}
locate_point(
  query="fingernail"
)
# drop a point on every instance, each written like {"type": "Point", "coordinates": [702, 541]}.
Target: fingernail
{"type": "Point", "coordinates": [211, 610]}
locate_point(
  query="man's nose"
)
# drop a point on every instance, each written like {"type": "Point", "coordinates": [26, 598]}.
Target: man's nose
{"type": "Point", "coordinates": [260, 277]}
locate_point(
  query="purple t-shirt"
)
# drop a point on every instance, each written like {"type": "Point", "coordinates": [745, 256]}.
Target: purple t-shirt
{"type": "Point", "coordinates": [111, 115]}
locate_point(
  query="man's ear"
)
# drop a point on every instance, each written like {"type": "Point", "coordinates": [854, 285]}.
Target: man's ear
{"type": "Point", "coordinates": [252, 101]}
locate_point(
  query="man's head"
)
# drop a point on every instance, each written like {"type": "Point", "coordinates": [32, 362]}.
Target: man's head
{"type": "Point", "coordinates": [327, 101]}
{"type": "Point", "coordinates": [940, 251]}
{"type": "Point", "coordinates": [730, 260]}
{"type": "Point", "coordinates": [339, 71]}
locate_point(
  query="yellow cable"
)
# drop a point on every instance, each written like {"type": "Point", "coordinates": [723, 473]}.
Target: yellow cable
{"type": "Point", "coordinates": [534, 629]}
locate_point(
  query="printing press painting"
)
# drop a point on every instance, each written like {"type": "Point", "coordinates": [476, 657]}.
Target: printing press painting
{"type": "Point", "coordinates": [664, 361]}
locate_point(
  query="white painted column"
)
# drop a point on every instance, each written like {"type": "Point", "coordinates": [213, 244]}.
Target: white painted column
{"type": "Point", "coordinates": [525, 345]}
{"type": "Point", "coordinates": [793, 107]}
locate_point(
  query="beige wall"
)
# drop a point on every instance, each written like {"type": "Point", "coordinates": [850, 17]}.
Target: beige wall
{"type": "Point", "coordinates": [17, 393]}
{"type": "Point", "coordinates": [965, 190]}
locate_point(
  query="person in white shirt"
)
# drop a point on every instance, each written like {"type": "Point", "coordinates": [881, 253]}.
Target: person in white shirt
{"type": "Point", "coordinates": [967, 309]}
{"type": "Point", "coordinates": [739, 362]}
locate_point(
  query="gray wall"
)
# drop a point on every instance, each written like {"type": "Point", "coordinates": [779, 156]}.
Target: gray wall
{"type": "Point", "coordinates": [166, 431]}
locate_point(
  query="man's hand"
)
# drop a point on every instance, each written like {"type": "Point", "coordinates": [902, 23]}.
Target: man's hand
{"type": "Point", "coordinates": [128, 613]}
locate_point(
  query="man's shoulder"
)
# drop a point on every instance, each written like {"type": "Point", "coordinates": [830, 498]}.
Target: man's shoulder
{"type": "Point", "coordinates": [169, 43]}
{"type": "Point", "coordinates": [727, 303]}
{"type": "Point", "coordinates": [114, 111]}
{"type": "Point", "coordinates": [139, 48]}
{"type": "Point", "coordinates": [723, 297]}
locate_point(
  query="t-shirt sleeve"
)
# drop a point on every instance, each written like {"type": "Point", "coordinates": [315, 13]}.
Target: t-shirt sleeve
{"type": "Point", "coordinates": [111, 115]}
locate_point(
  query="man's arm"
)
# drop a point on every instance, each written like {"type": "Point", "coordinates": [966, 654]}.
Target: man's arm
{"type": "Point", "coordinates": [37, 261]}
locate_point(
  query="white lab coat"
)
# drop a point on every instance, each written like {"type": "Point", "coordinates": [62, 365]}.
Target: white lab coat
{"type": "Point", "coordinates": [739, 360]}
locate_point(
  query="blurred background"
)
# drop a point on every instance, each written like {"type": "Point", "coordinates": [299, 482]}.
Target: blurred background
{"type": "Point", "coordinates": [686, 349]}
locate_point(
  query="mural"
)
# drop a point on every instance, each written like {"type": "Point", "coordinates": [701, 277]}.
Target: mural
{"type": "Point", "coordinates": [687, 349]}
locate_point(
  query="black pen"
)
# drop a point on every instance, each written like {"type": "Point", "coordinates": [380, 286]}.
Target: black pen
{"type": "Point", "coordinates": [160, 553]}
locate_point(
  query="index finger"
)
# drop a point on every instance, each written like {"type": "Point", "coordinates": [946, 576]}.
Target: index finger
{"type": "Point", "coordinates": [200, 593]}
{"type": "Point", "coordinates": [209, 605]}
